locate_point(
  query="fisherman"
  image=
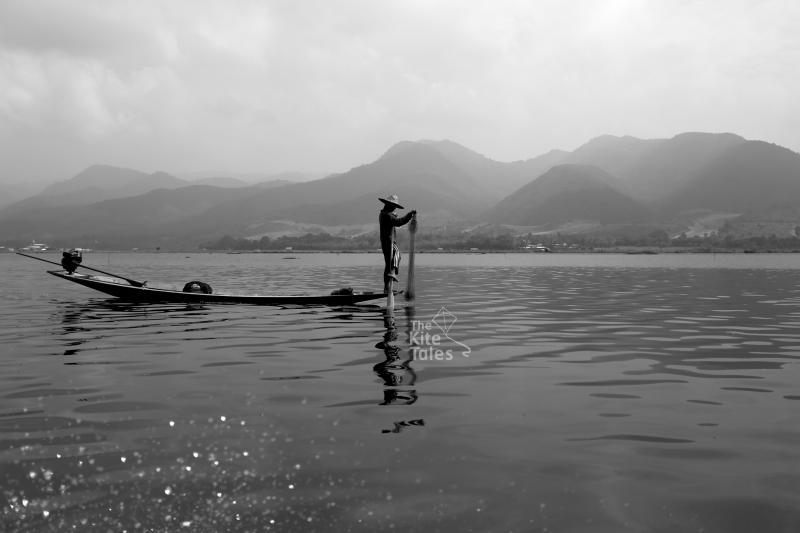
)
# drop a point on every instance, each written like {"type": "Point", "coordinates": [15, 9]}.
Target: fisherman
{"type": "Point", "coordinates": [391, 253]}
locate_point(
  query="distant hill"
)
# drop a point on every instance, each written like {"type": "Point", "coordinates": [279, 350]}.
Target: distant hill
{"type": "Point", "coordinates": [420, 174]}
{"type": "Point", "coordinates": [221, 181]}
{"type": "Point", "coordinates": [673, 163]}
{"type": "Point", "coordinates": [263, 181]}
{"type": "Point", "coordinates": [11, 193]}
{"type": "Point", "coordinates": [115, 179]}
{"type": "Point", "coordinates": [748, 177]}
{"type": "Point", "coordinates": [497, 179]}
{"type": "Point", "coordinates": [531, 169]}
{"type": "Point", "coordinates": [780, 221]}
{"type": "Point", "coordinates": [616, 155]}
{"type": "Point", "coordinates": [566, 193]}
{"type": "Point", "coordinates": [652, 169]}
{"type": "Point", "coordinates": [97, 183]}
{"type": "Point", "coordinates": [146, 217]}
{"type": "Point", "coordinates": [251, 178]}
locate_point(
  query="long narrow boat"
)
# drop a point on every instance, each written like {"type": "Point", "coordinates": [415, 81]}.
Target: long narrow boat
{"type": "Point", "coordinates": [128, 292]}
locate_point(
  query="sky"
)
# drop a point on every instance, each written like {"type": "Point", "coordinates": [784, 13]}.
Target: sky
{"type": "Point", "coordinates": [322, 86]}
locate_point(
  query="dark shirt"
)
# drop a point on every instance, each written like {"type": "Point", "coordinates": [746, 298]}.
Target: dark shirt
{"type": "Point", "coordinates": [388, 222]}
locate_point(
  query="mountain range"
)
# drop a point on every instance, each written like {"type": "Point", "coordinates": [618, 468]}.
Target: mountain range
{"type": "Point", "coordinates": [606, 183]}
{"type": "Point", "coordinates": [565, 193]}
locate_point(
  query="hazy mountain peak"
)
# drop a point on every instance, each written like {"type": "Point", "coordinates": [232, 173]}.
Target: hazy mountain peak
{"type": "Point", "coordinates": [403, 147]}
{"type": "Point", "coordinates": [449, 149]}
{"type": "Point", "coordinates": [695, 136]}
{"type": "Point", "coordinates": [607, 141]}
{"type": "Point", "coordinates": [443, 142]}
{"type": "Point", "coordinates": [460, 154]}
{"type": "Point", "coordinates": [613, 143]}
{"type": "Point", "coordinates": [567, 192]}
{"type": "Point", "coordinates": [98, 167]}
{"type": "Point", "coordinates": [764, 147]}
{"type": "Point", "coordinates": [447, 144]}
{"type": "Point", "coordinates": [101, 182]}
{"type": "Point", "coordinates": [96, 176]}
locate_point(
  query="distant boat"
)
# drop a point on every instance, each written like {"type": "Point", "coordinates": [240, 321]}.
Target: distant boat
{"type": "Point", "coordinates": [36, 247]}
{"type": "Point", "coordinates": [537, 248]}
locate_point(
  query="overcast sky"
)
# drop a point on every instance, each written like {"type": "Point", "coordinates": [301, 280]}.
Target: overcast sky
{"type": "Point", "coordinates": [323, 85]}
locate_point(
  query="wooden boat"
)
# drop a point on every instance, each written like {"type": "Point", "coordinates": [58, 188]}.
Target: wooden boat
{"type": "Point", "coordinates": [126, 291]}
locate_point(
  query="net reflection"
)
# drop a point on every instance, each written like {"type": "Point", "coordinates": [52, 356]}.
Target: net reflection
{"type": "Point", "coordinates": [395, 370]}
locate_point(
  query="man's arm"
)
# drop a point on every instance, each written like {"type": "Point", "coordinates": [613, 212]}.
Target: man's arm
{"type": "Point", "coordinates": [402, 221]}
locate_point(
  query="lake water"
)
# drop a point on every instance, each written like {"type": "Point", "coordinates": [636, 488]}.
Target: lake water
{"type": "Point", "coordinates": [572, 393]}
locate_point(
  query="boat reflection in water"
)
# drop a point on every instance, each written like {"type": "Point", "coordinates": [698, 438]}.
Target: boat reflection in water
{"type": "Point", "coordinates": [87, 323]}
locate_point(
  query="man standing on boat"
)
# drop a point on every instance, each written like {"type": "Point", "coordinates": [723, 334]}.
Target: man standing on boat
{"type": "Point", "coordinates": [388, 221]}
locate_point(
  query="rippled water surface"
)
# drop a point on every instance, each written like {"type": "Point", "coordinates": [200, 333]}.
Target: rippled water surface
{"type": "Point", "coordinates": [577, 393]}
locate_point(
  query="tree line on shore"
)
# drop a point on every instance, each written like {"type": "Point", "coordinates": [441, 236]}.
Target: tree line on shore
{"type": "Point", "coordinates": [655, 240]}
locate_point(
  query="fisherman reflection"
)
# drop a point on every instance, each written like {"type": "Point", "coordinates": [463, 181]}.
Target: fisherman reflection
{"type": "Point", "coordinates": [398, 426]}
{"type": "Point", "coordinates": [395, 370]}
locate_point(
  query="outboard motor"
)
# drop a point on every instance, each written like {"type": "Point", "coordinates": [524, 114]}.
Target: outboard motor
{"type": "Point", "coordinates": [198, 286]}
{"type": "Point", "coordinates": [70, 260]}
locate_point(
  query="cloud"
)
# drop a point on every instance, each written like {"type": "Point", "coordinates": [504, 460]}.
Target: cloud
{"type": "Point", "coordinates": [323, 86]}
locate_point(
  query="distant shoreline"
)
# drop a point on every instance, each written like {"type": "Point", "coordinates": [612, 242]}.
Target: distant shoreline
{"type": "Point", "coordinates": [609, 250]}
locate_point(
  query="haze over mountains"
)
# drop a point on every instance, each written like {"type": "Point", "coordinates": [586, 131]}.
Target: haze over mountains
{"type": "Point", "coordinates": [606, 183]}
{"type": "Point", "coordinates": [568, 192]}
{"type": "Point", "coordinates": [14, 192]}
